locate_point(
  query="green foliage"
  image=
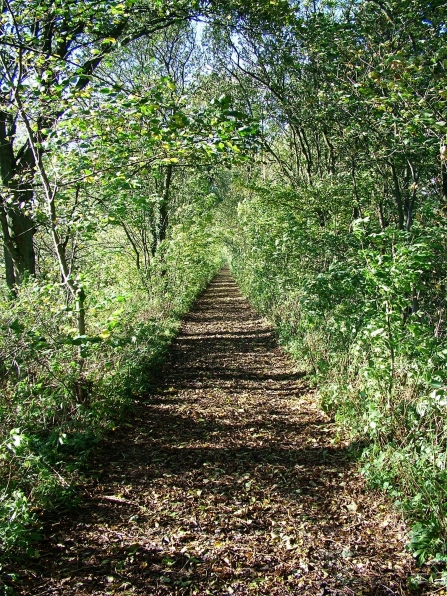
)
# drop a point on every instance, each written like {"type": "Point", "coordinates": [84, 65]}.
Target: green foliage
{"type": "Point", "coordinates": [133, 252]}
{"type": "Point", "coordinates": [52, 414]}
{"type": "Point", "coordinates": [15, 529]}
{"type": "Point", "coordinates": [338, 230]}
{"type": "Point", "coordinates": [117, 121]}
{"type": "Point", "coordinates": [342, 302]}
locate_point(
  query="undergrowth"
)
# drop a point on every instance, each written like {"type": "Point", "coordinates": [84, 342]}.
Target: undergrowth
{"type": "Point", "coordinates": [362, 311]}
{"type": "Point", "coordinates": [60, 392]}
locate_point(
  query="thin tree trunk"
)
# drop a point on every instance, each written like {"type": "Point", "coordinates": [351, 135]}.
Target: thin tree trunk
{"type": "Point", "coordinates": [444, 176]}
{"type": "Point", "coordinates": [357, 212]}
{"type": "Point", "coordinates": [331, 150]}
{"type": "Point", "coordinates": [164, 205]}
{"type": "Point", "coordinates": [398, 198]}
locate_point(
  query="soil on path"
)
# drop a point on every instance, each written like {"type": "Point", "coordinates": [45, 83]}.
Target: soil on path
{"type": "Point", "coordinates": [228, 479]}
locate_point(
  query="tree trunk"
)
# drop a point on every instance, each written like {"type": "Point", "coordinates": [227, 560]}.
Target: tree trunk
{"type": "Point", "coordinates": [398, 198]}
{"type": "Point", "coordinates": [164, 205]}
{"type": "Point", "coordinates": [444, 177]}
{"type": "Point", "coordinates": [18, 228]}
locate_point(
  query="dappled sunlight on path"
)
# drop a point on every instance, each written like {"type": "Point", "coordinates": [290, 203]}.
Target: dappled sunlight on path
{"type": "Point", "coordinates": [227, 479]}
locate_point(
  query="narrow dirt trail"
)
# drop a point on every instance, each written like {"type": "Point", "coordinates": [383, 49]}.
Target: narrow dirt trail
{"type": "Point", "coordinates": [228, 479]}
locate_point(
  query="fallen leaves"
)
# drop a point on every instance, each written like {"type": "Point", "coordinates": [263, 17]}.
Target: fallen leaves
{"type": "Point", "coordinates": [228, 479]}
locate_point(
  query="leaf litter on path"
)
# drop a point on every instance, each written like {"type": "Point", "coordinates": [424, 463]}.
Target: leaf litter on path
{"type": "Point", "coordinates": [227, 479]}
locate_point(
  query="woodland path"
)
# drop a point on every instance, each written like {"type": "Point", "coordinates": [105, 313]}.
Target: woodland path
{"type": "Point", "coordinates": [227, 479]}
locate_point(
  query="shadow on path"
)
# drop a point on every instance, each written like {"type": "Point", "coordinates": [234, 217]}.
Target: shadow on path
{"type": "Point", "coordinates": [228, 479]}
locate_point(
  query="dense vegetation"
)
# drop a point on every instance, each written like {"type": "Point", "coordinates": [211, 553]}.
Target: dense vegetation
{"type": "Point", "coordinates": [144, 143]}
